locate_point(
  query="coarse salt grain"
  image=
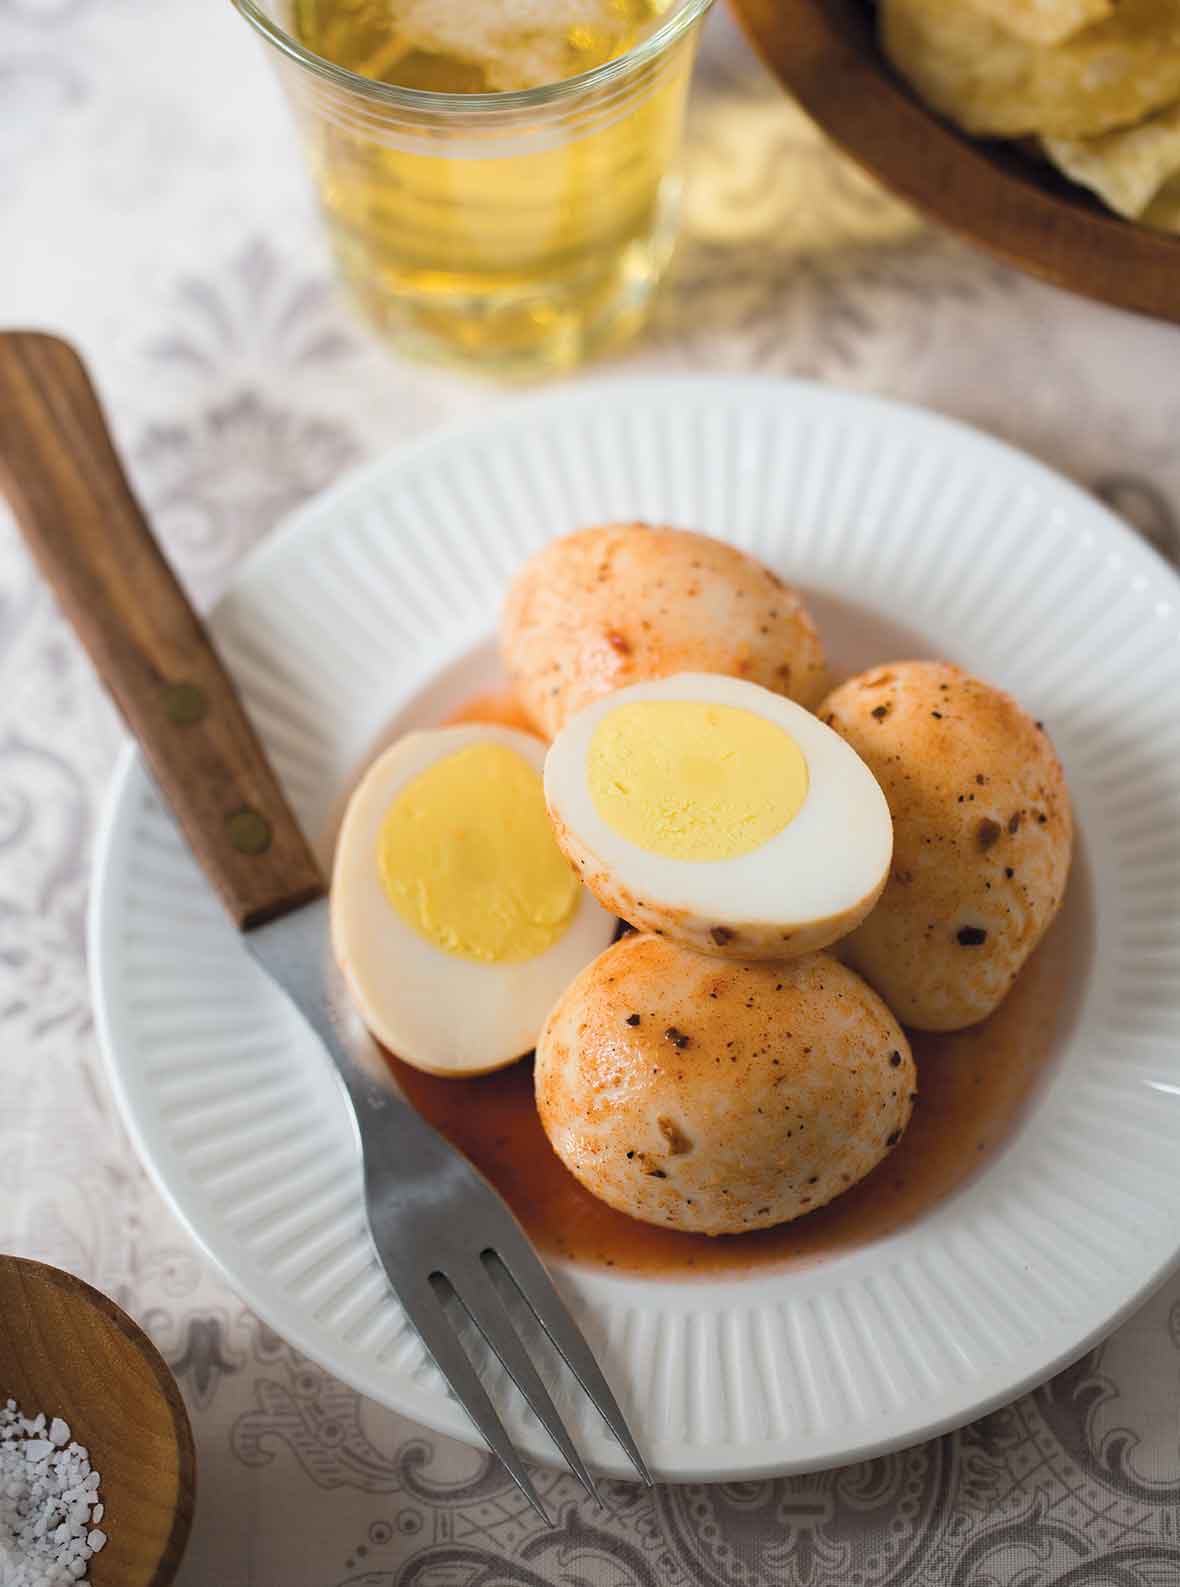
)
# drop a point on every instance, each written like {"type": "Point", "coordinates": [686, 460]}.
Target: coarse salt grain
{"type": "Point", "coordinates": [48, 1502]}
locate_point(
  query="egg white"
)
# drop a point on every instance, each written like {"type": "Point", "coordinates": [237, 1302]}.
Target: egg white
{"type": "Point", "coordinates": [801, 890]}
{"type": "Point", "coordinates": [438, 1011]}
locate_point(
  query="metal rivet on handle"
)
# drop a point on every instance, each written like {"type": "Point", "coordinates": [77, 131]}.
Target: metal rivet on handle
{"type": "Point", "coordinates": [249, 832]}
{"type": "Point", "coordinates": [184, 703]}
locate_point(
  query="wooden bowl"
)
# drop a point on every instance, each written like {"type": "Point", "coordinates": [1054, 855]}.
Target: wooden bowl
{"type": "Point", "coordinates": [825, 53]}
{"type": "Point", "coordinates": [67, 1350]}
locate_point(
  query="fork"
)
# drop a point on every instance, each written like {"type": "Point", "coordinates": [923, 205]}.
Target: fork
{"type": "Point", "coordinates": [434, 1217]}
{"type": "Point", "coordinates": [438, 1227]}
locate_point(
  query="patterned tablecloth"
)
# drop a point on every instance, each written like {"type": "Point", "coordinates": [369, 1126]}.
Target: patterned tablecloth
{"type": "Point", "coordinates": [153, 207]}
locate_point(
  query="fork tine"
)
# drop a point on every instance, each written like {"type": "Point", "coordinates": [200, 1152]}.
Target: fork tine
{"type": "Point", "coordinates": [425, 1310]}
{"type": "Point", "coordinates": [526, 1270]}
{"type": "Point", "coordinates": [485, 1306]}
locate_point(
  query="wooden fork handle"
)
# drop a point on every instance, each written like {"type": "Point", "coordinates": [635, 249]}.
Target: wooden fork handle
{"type": "Point", "coordinates": [71, 498]}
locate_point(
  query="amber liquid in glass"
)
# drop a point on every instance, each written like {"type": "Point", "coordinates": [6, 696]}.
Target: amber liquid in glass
{"type": "Point", "coordinates": [524, 238]}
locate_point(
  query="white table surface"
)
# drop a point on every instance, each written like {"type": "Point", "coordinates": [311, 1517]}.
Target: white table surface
{"type": "Point", "coordinates": [153, 207]}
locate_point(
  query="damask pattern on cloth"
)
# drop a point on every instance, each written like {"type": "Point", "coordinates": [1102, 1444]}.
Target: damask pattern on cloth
{"type": "Point", "coordinates": [149, 171]}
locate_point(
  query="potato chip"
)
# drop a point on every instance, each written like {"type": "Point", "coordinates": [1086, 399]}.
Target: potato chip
{"type": "Point", "coordinates": [1044, 21]}
{"type": "Point", "coordinates": [990, 82]}
{"type": "Point", "coordinates": [1164, 210]}
{"type": "Point", "coordinates": [1127, 168]}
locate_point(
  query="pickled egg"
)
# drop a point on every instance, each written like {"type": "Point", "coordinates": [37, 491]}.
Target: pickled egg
{"type": "Point", "coordinates": [456, 920]}
{"type": "Point", "coordinates": [720, 815]}
{"type": "Point", "coordinates": [618, 604]}
{"type": "Point", "coordinates": [984, 834]}
{"type": "Point", "coordinates": [720, 1097]}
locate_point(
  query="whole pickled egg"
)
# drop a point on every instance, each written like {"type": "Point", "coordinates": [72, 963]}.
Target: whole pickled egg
{"type": "Point", "coordinates": [720, 1097]}
{"type": "Point", "coordinates": [984, 838]}
{"type": "Point", "coordinates": [618, 604]}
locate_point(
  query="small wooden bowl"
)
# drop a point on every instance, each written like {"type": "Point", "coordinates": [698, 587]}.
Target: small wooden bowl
{"type": "Point", "coordinates": [67, 1350]}
{"type": "Point", "coordinates": [825, 53]}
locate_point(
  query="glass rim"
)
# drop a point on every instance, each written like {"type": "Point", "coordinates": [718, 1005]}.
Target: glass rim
{"type": "Point", "coordinates": [688, 12]}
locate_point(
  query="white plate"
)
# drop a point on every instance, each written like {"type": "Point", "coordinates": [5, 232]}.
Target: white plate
{"type": "Point", "coordinates": [378, 601]}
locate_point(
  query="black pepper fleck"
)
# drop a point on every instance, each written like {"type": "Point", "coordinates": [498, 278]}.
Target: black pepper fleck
{"type": "Point", "coordinates": [971, 936]}
{"type": "Point", "coordinates": [1009, 872]}
{"type": "Point", "coordinates": [880, 712]}
{"type": "Point", "coordinates": [676, 1037]}
{"type": "Point", "coordinates": [632, 1019]}
{"type": "Point", "coordinates": [937, 714]}
{"type": "Point", "coordinates": [895, 1059]}
{"type": "Point", "coordinates": [892, 1140]}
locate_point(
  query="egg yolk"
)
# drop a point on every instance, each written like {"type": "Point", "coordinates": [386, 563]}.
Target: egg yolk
{"type": "Point", "coordinates": [468, 859]}
{"type": "Point", "coordinates": [694, 781]}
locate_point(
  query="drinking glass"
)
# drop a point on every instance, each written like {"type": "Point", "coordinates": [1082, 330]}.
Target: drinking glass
{"type": "Point", "coordinates": [517, 231]}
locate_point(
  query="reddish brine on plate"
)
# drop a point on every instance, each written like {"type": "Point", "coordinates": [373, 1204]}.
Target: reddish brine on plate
{"type": "Point", "coordinates": [972, 1086]}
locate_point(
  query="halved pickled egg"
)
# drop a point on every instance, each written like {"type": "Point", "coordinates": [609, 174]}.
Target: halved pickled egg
{"type": "Point", "coordinates": [720, 815]}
